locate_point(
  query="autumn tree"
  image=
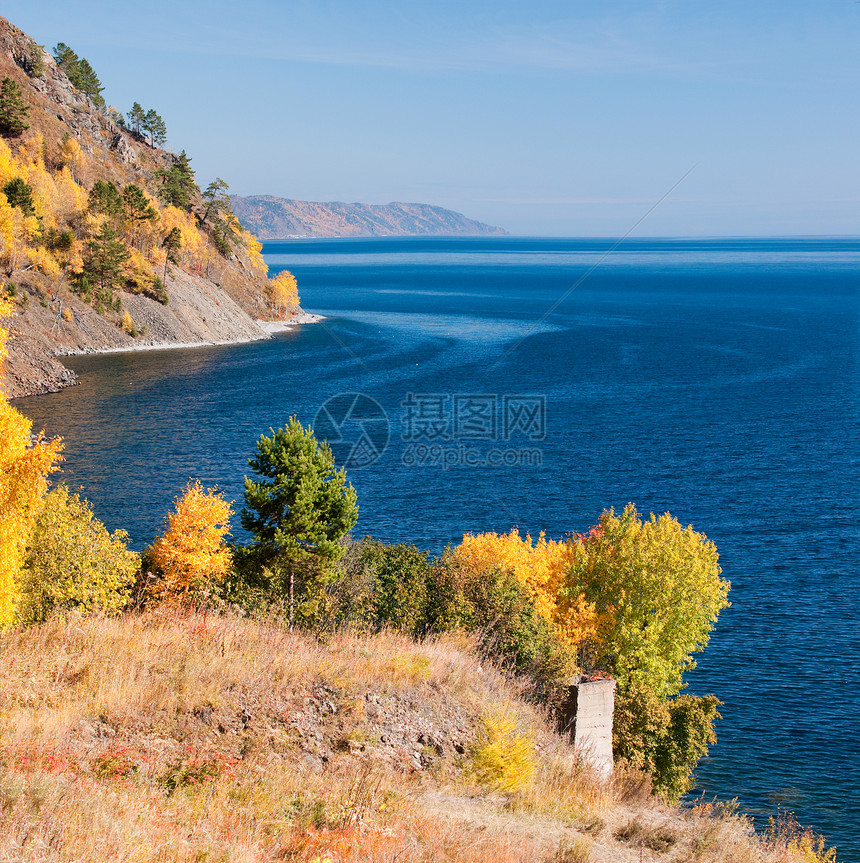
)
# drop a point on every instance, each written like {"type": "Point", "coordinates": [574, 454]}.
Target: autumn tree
{"type": "Point", "coordinates": [72, 156]}
{"type": "Point", "coordinates": [540, 566]}
{"type": "Point", "coordinates": [24, 467]}
{"type": "Point", "coordinates": [283, 292]}
{"type": "Point", "coordinates": [13, 109]}
{"type": "Point", "coordinates": [191, 557]}
{"type": "Point", "coordinates": [657, 587]}
{"type": "Point", "coordinates": [74, 562]}
{"type": "Point", "coordinates": [297, 512]}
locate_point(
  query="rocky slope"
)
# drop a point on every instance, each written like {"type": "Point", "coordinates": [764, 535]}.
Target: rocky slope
{"type": "Point", "coordinates": [175, 736]}
{"type": "Point", "coordinates": [212, 303]}
{"type": "Point", "coordinates": [274, 218]}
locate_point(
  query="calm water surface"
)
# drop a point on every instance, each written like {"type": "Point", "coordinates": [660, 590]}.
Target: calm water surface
{"type": "Point", "coordinates": [717, 380]}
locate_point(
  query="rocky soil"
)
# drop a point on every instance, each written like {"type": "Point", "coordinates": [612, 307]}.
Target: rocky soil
{"type": "Point", "coordinates": [199, 313]}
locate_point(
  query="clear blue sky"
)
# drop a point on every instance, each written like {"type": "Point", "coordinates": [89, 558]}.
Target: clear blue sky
{"type": "Point", "coordinates": [557, 118]}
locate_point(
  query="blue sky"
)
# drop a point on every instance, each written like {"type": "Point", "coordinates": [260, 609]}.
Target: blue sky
{"type": "Point", "coordinates": [554, 118]}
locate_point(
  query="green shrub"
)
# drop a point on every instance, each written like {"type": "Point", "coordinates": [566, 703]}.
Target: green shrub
{"type": "Point", "coordinates": [666, 738]}
{"type": "Point", "coordinates": [398, 576]}
{"type": "Point", "coordinates": [74, 563]}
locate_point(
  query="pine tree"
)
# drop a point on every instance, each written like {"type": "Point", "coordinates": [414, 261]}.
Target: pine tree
{"type": "Point", "coordinates": [297, 511]}
{"type": "Point", "coordinates": [217, 200]}
{"type": "Point", "coordinates": [19, 194]}
{"type": "Point", "coordinates": [177, 183]}
{"type": "Point", "coordinates": [137, 208]}
{"type": "Point", "coordinates": [154, 126]}
{"type": "Point", "coordinates": [79, 72]}
{"type": "Point", "coordinates": [89, 83]}
{"type": "Point", "coordinates": [13, 109]}
{"type": "Point", "coordinates": [136, 118]}
{"type": "Point", "coordinates": [171, 244]}
{"type": "Point", "coordinates": [104, 259]}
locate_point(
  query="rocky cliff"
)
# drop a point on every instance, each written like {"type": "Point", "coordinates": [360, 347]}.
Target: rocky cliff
{"type": "Point", "coordinates": [275, 218]}
{"type": "Point", "coordinates": [213, 291]}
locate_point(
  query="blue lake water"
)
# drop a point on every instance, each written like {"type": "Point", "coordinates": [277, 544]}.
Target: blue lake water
{"type": "Point", "coordinates": [534, 383]}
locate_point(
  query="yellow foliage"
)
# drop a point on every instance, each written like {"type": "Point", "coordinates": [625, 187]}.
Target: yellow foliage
{"type": "Point", "coordinates": [15, 232]}
{"type": "Point", "coordinates": [32, 151]}
{"type": "Point", "coordinates": [74, 563]}
{"type": "Point", "coordinates": [283, 292]}
{"type": "Point", "coordinates": [194, 246]}
{"type": "Point", "coordinates": [72, 157]}
{"type": "Point", "coordinates": [128, 324]}
{"type": "Point", "coordinates": [24, 468]}
{"type": "Point", "coordinates": [540, 567]}
{"type": "Point", "coordinates": [68, 315]}
{"type": "Point", "coordinates": [7, 170]}
{"type": "Point", "coordinates": [191, 555]}
{"type": "Point", "coordinates": [71, 199]}
{"type": "Point", "coordinates": [253, 249]}
{"type": "Point", "coordinates": [501, 758]}
{"type": "Point", "coordinates": [43, 260]}
{"type": "Point", "coordinates": [139, 272]}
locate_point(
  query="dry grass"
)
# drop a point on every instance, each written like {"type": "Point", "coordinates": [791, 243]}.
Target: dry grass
{"type": "Point", "coordinates": [170, 738]}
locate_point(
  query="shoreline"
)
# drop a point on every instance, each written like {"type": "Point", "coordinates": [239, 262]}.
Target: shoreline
{"type": "Point", "coordinates": [267, 330]}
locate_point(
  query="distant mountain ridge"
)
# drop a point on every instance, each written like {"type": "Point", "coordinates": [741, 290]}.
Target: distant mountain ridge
{"type": "Point", "coordinates": [270, 218]}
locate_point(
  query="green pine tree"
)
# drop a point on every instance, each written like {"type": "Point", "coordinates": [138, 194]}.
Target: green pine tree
{"type": "Point", "coordinates": [177, 183]}
{"type": "Point", "coordinates": [154, 126]}
{"type": "Point", "coordinates": [79, 72]}
{"type": "Point", "coordinates": [297, 513]}
{"type": "Point", "coordinates": [137, 208]}
{"type": "Point", "coordinates": [19, 194]}
{"type": "Point", "coordinates": [13, 109]}
{"type": "Point", "coordinates": [105, 198]}
{"type": "Point", "coordinates": [171, 244]}
{"type": "Point", "coordinates": [104, 258]}
{"type": "Point", "coordinates": [136, 118]}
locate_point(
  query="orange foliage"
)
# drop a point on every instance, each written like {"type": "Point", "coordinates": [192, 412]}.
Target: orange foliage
{"type": "Point", "coordinates": [539, 566]}
{"type": "Point", "coordinates": [191, 555]}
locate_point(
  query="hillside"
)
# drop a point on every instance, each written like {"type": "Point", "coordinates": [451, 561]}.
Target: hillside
{"type": "Point", "coordinates": [275, 218]}
{"type": "Point", "coordinates": [184, 738]}
{"type": "Point", "coordinates": [106, 241]}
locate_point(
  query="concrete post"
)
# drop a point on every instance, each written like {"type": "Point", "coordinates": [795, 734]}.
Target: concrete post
{"type": "Point", "coordinates": [587, 718]}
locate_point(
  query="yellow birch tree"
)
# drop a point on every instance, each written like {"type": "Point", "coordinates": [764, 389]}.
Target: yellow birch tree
{"type": "Point", "coordinates": [283, 292]}
{"type": "Point", "coordinates": [24, 467]}
{"type": "Point", "coordinates": [191, 556]}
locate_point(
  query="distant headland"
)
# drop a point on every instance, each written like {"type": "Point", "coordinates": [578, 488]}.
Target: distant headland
{"type": "Point", "coordinates": [272, 218]}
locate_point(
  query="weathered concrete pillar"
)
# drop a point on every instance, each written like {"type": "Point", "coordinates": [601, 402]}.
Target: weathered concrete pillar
{"type": "Point", "coordinates": [587, 718]}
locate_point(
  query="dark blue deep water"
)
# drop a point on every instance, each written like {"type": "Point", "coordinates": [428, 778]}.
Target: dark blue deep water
{"type": "Point", "coordinates": [717, 380]}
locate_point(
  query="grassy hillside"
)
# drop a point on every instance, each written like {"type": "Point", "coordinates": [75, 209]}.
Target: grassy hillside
{"type": "Point", "coordinates": [179, 737]}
